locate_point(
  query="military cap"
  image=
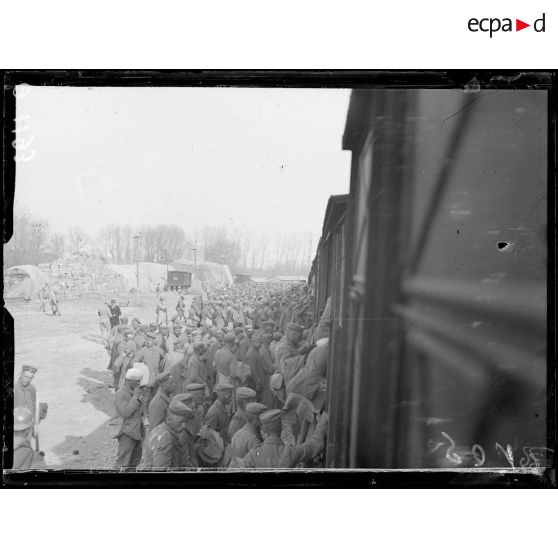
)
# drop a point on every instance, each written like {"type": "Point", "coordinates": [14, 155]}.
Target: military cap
{"type": "Point", "coordinates": [163, 326]}
{"type": "Point", "coordinates": [143, 327]}
{"type": "Point", "coordinates": [27, 368]}
{"type": "Point", "coordinates": [243, 393]}
{"type": "Point", "coordinates": [151, 335]}
{"type": "Point", "coordinates": [210, 448]}
{"type": "Point", "coordinates": [180, 409]}
{"type": "Point", "coordinates": [276, 381]}
{"type": "Point", "coordinates": [195, 387]}
{"type": "Point", "coordinates": [295, 327]}
{"type": "Point", "coordinates": [153, 324]}
{"type": "Point", "coordinates": [162, 378]}
{"type": "Point", "coordinates": [224, 384]}
{"type": "Point", "coordinates": [229, 338]}
{"type": "Point", "coordinates": [183, 397]}
{"type": "Point", "coordinates": [255, 408]}
{"type": "Point", "coordinates": [271, 416]}
{"type": "Point", "coordinates": [23, 418]}
{"type": "Point", "coordinates": [134, 374]}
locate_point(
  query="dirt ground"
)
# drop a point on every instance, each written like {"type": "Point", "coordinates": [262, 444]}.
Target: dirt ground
{"type": "Point", "coordinates": [73, 378]}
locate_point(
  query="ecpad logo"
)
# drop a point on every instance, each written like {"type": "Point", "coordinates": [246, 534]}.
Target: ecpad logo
{"type": "Point", "coordinates": [493, 25]}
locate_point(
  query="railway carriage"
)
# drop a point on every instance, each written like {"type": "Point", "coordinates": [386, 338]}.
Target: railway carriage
{"type": "Point", "coordinates": [436, 263]}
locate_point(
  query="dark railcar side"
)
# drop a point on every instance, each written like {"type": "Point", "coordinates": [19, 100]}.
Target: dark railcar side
{"type": "Point", "coordinates": [446, 348]}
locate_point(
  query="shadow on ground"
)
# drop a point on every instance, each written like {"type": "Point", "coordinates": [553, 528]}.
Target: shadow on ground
{"type": "Point", "coordinates": [97, 450]}
{"type": "Point", "coordinates": [95, 338]}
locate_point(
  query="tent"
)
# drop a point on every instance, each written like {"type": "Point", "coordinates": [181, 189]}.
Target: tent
{"type": "Point", "coordinates": [24, 281]}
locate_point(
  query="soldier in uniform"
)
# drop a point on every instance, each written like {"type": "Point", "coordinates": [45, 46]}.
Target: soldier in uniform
{"type": "Point", "coordinates": [245, 343]}
{"type": "Point", "coordinates": [214, 346]}
{"type": "Point", "coordinates": [274, 454]}
{"type": "Point", "coordinates": [244, 395]}
{"type": "Point", "coordinates": [152, 357]}
{"type": "Point", "coordinates": [162, 337]}
{"type": "Point", "coordinates": [140, 337]}
{"type": "Point", "coordinates": [199, 403]}
{"type": "Point", "coordinates": [24, 456]}
{"type": "Point", "coordinates": [115, 313]}
{"type": "Point", "coordinates": [161, 310]}
{"type": "Point", "coordinates": [25, 394]}
{"type": "Point", "coordinates": [195, 370]}
{"type": "Point", "coordinates": [160, 403]}
{"type": "Point", "coordinates": [218, 415]}
{"type": "Point", "coordinates": [225, 357]}
{"type": "Point", "coordinates": [166, 445]}
{"type": "Point", "coordinates": [249, 435]}
{"type": "Point", "coordinates": [128, 401]}
{"type": "Point", "coordinates": [288, 359]}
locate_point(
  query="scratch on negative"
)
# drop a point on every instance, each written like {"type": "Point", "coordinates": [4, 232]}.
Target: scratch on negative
{"type": "Point", "coordinates": [465, 106]}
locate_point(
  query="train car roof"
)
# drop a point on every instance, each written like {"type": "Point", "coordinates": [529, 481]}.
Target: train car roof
{"type": "Point", "coordinates": [336, 206]}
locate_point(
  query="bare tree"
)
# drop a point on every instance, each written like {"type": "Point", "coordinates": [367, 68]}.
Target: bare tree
{"type": "Point", "coordinates": [57, 243]}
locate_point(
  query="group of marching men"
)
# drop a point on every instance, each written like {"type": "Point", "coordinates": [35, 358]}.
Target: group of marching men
{"type": "Point", "coordinates": [236, 381]}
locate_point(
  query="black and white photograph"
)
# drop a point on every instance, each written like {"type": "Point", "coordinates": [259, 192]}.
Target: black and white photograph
{"type": "Point", "coordinates": [212, 274]}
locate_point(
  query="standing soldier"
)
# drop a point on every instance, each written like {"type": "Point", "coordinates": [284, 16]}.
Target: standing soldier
{"type": "Point", "coordinates": [115, 313]}
{"type": "Point", "coordinates": [255, 360]}
{"type": "Point", "coordinates": [244, 396]}
{"type": "Point", "coordinates": [128, 402]}
{"type": "Point", "coordinates": [42, 298]}
{"type": "Point", "coordinates": [161, 311]}
{"type": "Point", "coordinates": [218, 415]}
{"type": "Point", "coordinates": [288, 358]}
{"type": "Point", "coordinates": [246, 342]}
{"type": "Point", "coordinates": [196, 371]}
{"type": "Point", "coordinates": [274, 454]}
{"type": "Point", "coordinates": [25, 395]}
{"type": "Point", "coordinates": [249, 435]}
{"type": "Point", "coordinates": [161, 400]}
{"type": "Point", "coordinates": [54, 302]}
{"type": "Point", "coordinates": [166, 445]}
{"type": "Point", "coordinates": [104, 321]}
{"type": "Point", "coordinates": [151, 356]}
{"type": "Point", "coordinates": [199, 402]}
{"type": "Point", "coordinates": [225, 358]}
{"type": "Point", "coordinates": [24, 456]}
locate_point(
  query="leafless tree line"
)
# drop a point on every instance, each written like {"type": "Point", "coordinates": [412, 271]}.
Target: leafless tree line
{"type": "Point", "coordinates": [32, 241]}
{"type": "Point", "coordinates": [243, 251]}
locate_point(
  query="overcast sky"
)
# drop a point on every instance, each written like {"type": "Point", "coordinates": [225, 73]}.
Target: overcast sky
{"type": "Point", "coordinates": [258, 159]}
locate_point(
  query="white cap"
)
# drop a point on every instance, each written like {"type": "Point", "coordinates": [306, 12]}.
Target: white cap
{"type": "Point", "coordinates": [134, 374]}
{"type": "Point", "coordinates": [144, 371]}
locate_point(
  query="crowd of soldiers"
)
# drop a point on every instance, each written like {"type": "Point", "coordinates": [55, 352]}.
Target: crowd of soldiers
{"type": "Point", "coordinates": [237, 380]}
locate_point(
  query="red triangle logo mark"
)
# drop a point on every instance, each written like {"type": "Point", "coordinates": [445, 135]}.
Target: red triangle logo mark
{"type": "Point", "coordinates": [519, 25]}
